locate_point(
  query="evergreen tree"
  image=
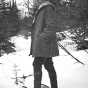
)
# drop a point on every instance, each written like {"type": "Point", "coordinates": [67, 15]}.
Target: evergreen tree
{"type": "Point", "coordinates": [72, 15]}
{"type": "Point", "coordinates": [9, 25]}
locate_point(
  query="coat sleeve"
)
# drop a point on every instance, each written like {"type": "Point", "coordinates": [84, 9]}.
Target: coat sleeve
{"type": "Point", "coordinates": [50, 24]}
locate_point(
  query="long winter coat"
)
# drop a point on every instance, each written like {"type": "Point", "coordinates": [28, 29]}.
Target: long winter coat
{"type": "Point", "coordinates": [44, 43]}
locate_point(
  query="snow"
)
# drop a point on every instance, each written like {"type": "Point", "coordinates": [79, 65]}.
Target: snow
{"type": "Point", "coordinates": [69, 73]}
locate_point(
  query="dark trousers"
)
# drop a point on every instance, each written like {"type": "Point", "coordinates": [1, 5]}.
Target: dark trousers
{"type": "Point", "coordinates": [48, 64]}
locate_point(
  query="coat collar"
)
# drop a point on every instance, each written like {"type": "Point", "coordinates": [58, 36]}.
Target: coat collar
{"type": "Point", "coordinates": [46, 3]}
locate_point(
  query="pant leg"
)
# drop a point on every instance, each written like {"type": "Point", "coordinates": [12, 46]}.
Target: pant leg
{"type": "Point", "coordinates": [37, 65]}
{"type": "Point", "coordinates": [51, 71]}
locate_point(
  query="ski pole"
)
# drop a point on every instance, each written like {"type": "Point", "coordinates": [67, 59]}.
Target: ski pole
{"type": "Point", "coordinates": [69, 53]}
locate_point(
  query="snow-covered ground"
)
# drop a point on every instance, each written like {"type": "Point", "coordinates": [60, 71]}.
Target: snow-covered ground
{"type": "Point", "coordinates": [69, 73]}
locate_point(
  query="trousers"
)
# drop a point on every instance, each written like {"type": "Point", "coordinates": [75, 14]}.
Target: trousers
{"type": "Point", "coordinates": [48, 64]}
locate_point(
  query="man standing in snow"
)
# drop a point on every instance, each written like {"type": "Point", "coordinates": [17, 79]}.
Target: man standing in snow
{"type": "Point", "coordinates": [44, 43]}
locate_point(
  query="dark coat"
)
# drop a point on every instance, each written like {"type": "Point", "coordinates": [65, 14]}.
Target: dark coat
{"type": "Point", "coordinates": [44, 42]}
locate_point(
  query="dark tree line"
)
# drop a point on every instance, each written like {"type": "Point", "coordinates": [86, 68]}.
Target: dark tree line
{"type": "Point", "coordinates": [73, 16]}
{"type": "Point", "coordinates": [9, 25]}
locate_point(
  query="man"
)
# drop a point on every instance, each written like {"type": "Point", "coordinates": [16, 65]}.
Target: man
{"type": "Point", "coordinates": [44, 43]}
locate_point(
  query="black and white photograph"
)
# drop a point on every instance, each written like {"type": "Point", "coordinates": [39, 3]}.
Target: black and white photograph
{"type": "Point", "coordinates": [43, 43]}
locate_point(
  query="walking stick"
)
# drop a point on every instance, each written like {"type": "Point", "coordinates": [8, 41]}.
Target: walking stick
{"type": "Point", "coordinates": [69, 53]}
{"type": "Point", "coordinates": [71, 39]}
